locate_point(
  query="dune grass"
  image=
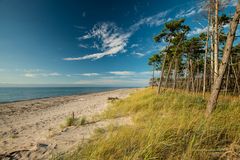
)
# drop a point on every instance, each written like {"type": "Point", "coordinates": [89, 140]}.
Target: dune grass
{"type": "Point", "coordinates": [171, 125]}
{"type": "Point", "coordinates": [70, 121]}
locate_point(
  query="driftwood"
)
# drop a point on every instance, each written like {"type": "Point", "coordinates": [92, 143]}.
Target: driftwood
{"type": "Point", "coordinates": [113, 98]}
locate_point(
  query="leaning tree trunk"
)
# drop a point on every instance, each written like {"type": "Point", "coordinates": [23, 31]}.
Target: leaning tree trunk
{"type": "Point", "coordinates": [227, 80]}
{"type": "Point", "coordinates": [162, 73]}
{"type": "Point", "coordinates": [216, 41]}
{"type": "Point", "coordinates": [235, 75]}
{"type": "Point", "coordinates": [168, 73]}
{"type": "Point", "coordinates": [225, 59]}
{"type": "Point", "coordinates": [153, 79]}
{"type": "Point", "coordinates": [205, 57]}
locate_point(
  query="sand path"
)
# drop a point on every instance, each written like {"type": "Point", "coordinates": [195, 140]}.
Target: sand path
{"type": "Point", "coordinates": [31, 129]}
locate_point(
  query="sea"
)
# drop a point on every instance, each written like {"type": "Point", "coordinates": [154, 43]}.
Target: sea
{"type": "Point", "coordinates": [13, 94]}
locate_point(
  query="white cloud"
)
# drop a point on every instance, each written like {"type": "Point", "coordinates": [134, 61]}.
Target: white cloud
{"type": "Point", "coordinates": [87, 36]}
{"type": "Point", "coordinates": [2, 69]}
{"type": "Point", "coordinates": [155, 20]}
{"type": "Point", "coordinates": [134, 45]}
{"type": "Point", "coordinates": [138, 54]}
{"type": "Point", "coordinates": [109, 39]}
{"type": "Point", "coordinates": [127, 78]}
{"type": "Point", "coordinates": [112, 41]}
{"type": "Point", "coordinates": [123, 73]}
{"type": "Point", "coordinates": [120, 78]}
{"type": "Point", "coordinates": [186, 13]}
{"type": "Point", "coordinates": [37, 74]}
{"type": "Point", "coordinates": [53, 74]}
{"type": "Point", "coordinates": [114, 82]}
{"type": "Point", "coordinates": [83, 74]}
{"type": "Point", "coordinates": [83, 46]}
{"type": "Point", "coordinates": [197, 31]}
{"type": "Point", "coordinates": [90, 74]}
{"type": "Point", "coordinates": [147, 73]}
{"type": "Point", "coordinates": [31, 75]}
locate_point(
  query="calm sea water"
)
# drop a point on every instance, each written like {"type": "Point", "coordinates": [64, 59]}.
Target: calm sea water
{"type": "Point", "coordinates": [26, 93]}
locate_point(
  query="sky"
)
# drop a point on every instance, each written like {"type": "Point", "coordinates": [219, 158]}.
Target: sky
{"type": "Point", "coordinates": [87, 42]}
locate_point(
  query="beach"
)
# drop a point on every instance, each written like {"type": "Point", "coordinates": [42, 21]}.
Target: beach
{"type": "Point", "coordinates": [32, 129]}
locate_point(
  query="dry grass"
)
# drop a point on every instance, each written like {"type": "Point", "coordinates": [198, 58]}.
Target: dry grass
{"type": "Point", "coordinates": [166, 126]}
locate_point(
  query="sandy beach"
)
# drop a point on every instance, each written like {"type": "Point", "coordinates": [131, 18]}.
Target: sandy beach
{"type": "Point", "coordinates": [31, 129]}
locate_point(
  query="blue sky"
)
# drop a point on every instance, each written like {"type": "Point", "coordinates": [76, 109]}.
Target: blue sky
{"type": "Point", "coordinates": [86, 43]}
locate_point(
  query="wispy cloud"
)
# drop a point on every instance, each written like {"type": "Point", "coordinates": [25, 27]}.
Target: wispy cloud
{"type": "Point", "coordinates": [120, 78]}
{"type": "Point", "coordinates": [83, 46]}
{"type": "Point", "coordinates": [131, 73]}
{"type": "Point", "coordinates": [114, 82]}
{"type": "Point", "coordinates": [197, 31]}
{"type": "Point", "coordinates": [138, 54]}
{"type": "Point", "coordinates": [123, 73]}
{"type": "Point", "coordinates": [40, 74]}
{"type": "Point", "coordinates": [155, 20]}
{"type": "Point", "coordinates": [186, 13]}
{"type": "Point", "coordinates": [109, 39]}
{"type": "Point", "coordinates": [112, 40]}
{"type": "Point", "coordinates": [89, 74]}
{"type": "Point", "coordinates": [134, 45]}
{"type": "Point", "coordinates": [83, 74]}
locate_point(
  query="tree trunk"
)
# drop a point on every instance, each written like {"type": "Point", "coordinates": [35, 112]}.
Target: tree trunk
{"type": "Point", "coordinates": [175, 73]}
{"type": "Point", "coordinates": [212, 49]}
{"type": "Point", "coordinates": [162, 74]}
{"type": "Point", "coordinates": [227, 80]}
{"type": "Point", "coordinates": [205, 57]}
{"type": "Point", "coordinates": [216, 39]}
{"type": "Point", "coordinates": [153, 80]}
{"type": "Point", "coordinates": [168, 73]}
{"type": "Point", "coordinates": [225, 59]}
{"type": "Point", "coordinates": [188, 76]}
{"type": "Point", "coordinates": [198, 78]}
{"type": "Point", "coordinates": [192, 75]}
{"type": "Point", "coordinates": [235, 75]}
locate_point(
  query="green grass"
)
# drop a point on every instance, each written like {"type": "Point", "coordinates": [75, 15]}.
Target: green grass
{"type": "Point", "coordinates": [171, 125]}
{"type": "Point", "coordinates": [70, 121]}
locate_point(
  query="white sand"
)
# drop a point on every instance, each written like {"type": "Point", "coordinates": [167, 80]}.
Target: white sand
{"type": "Point", "coordinates": [31, 129]}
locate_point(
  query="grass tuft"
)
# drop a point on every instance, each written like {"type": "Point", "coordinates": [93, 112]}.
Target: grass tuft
{"type": "Point", "coordinates": [70, 121]}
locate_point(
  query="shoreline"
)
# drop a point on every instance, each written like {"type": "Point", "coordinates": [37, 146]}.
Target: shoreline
{"type": "Point", "coordinates": [26, 125]}
{"type": "Point", "coordinates": [47, 97]}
